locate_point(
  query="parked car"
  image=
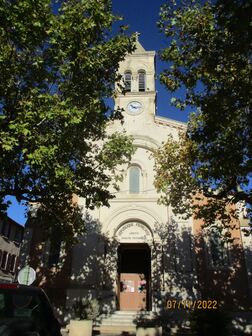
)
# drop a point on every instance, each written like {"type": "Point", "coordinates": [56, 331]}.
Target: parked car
{"type": "Point", "coordinates": [26, 311]}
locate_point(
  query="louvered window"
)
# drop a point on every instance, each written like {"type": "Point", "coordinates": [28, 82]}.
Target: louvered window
{"type": "Point", "coordinates": [127, 81]}
{"type": "Point", "coordinates": [217, 247]}
{"type": "Point", "coordinates": [12, 263]}
{"type": "Point", "coordinates": [141, 81]}
{"type": "Point", "coordinates": [55, 248]}
{"type": "Point", "coordinates": [4, 260]}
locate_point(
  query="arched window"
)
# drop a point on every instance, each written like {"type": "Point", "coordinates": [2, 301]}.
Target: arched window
{"type": "Point", "coordinates": [141, 80]}
{"type": "Point", "coordinates": [127, 80]}
{"type": "Point", "coordinates": [134, 180]}
{"type": "Point", "coordinates": [217, 246]}
{"type": "Point", "coordinates": [12, 263]}
{"type": "Point", "coordinates": [55, 248]}
{"type": "Point", "coordinates": [4, 260]}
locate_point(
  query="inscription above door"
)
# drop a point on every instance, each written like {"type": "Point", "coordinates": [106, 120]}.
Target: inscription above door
{"type": "Point", "coordinates": [133, 232]}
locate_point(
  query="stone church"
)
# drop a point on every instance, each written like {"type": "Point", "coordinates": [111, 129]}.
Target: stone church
{"type": "Point", "coordinates": [136, 254]}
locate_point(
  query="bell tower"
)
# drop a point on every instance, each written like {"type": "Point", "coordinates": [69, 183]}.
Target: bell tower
{"type": "Point", "coordinates": [138, 78]}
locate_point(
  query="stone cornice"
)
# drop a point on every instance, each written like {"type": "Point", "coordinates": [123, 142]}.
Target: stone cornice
{"type": "Point", "coordinates": [141, 54]}
{"type": "Point", "coordinates": [170, 122]}
{"type": "Point", "coordinates": [133, 199]}
{"type": "Point", "coordinates": [135, 94]}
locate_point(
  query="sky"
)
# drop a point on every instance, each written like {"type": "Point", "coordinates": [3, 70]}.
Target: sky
{"type": "Point", "coordinates": [141, 16]}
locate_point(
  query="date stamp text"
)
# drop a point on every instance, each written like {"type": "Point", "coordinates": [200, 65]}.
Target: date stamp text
{"type": "Point", "coordinates": [191, 304]}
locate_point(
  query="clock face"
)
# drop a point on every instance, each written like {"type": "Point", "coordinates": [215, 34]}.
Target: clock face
{"type": "Point", "coordinates": [134, 107]}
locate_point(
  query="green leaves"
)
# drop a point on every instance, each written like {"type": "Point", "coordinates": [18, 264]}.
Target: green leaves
{"type": "Point", "coordinates": [56, 72]}
{"type": "Point", "coordinates": [209, 54]}
{"type": "Point", "coordinates": [173, 175]}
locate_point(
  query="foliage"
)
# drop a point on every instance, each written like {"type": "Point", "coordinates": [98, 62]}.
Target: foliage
{"type": "Point", "coordinates": [209, 322]}
{"type": "Point", "coordinates": [173, 174]}
{"type": "Point", "coordinates": [175, 180]}
{"type": "Point", "coordinates": [86, 309]}
{"type": "Point", "coordinates": [209, 54]}
{"type": "Point", "coordinates": [58, 65]}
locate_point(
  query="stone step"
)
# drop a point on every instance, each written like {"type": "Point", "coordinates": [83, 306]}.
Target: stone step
{"type": "Point", "coordinates": [113, 323]}
{"type": "Point", "coordinates": [114, 334]}
{"type": "Point", "coordinates": [132, 314]}
{"type": "Point", "coordinates": [121, 323]}
{"type": "Point", "coordinates": [146, 315]}
{"type": "Point", "coordinates": [116, 330]}
{"type": "Point", "coordinates": [129, 331]}
{"type": "Point", "coordinates": [125, 318]}
{"type": "Point", "coordinates": [120, 316]}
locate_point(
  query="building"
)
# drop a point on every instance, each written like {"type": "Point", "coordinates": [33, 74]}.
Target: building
{"type": "Point", "coordinates": [137, 255]}
{"type": "Point", "coordinates": [11, 235]}
{"type": "Point", "coordinates": [135, 226]}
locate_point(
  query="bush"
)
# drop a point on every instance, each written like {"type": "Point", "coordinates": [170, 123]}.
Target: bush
{"type": "Point", "coordinates": [209, 322]}
{"type": "Point", "coordinates": [86, 309]}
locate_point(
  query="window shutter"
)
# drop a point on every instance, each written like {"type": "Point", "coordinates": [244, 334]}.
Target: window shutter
{"type": "Point", "coordinates": [141, 81]}
{"type": "Point", "coordinates": [127, 81]}
{"type": "Point", "coordinates": [4, 260]}
{"type": "Point", "coordinates": [217, 247]}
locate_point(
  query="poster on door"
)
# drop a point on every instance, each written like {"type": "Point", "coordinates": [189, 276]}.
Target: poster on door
{"type": "Point", "coordinates": [128, 286]}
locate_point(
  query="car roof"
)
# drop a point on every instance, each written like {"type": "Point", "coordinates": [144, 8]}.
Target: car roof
{"type": "Point", "coordinates": [16, 286]}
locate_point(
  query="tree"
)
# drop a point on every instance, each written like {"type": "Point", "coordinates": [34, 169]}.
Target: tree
{"type": "Point", "coordinates": [210, 56]}
{"type": "Point", "coordinates": [58, 65]}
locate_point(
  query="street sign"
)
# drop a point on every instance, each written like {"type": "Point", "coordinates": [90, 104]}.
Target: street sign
{"type": "Point", "coordinates": [26, 276]}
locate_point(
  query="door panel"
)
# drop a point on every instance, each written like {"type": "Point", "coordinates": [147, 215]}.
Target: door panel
{"type": "Point", "coordinates": [133, 291]}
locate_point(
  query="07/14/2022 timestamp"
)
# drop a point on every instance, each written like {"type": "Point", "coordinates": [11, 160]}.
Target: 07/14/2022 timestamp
{"type": "Point", "coordinates": [191, 304]}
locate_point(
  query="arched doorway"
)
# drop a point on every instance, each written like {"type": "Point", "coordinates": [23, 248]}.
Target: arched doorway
{"type": "Point", "coordinates": [134, 267]}
{"type": "Point", "coordinates": [134, 277]}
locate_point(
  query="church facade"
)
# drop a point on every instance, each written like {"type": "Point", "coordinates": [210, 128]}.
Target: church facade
{"type": "Point", "coordinates": [135, 227]}
{"type": "Point", "coordinates": [136, 254]}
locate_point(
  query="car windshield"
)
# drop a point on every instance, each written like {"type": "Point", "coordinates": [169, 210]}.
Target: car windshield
{"type": "Point", "coordinates": [14, 304]}
{"type": "Point", "coordinates": [21, 303]}
{"type": "Point", "coordinates": [24, 310]}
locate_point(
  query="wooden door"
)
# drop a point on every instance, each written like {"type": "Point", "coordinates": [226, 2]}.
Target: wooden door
{"type": "Point", "coordinates": [133, 291]}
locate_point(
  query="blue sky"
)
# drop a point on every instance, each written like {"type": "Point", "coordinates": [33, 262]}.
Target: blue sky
{"type": "Point", "coordinates": [141, 16]}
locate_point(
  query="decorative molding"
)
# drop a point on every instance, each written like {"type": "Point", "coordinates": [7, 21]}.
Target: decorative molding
{"type": "Point", "coordinates": [170, 122]}
{"type": "Point", "coordinates": [133, 232]}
